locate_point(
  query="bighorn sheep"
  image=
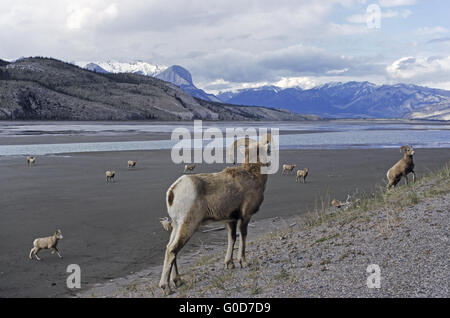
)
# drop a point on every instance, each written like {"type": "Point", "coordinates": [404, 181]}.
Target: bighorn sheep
{"type": "Point", "coordinates": [131, 163]}
{"type": "Point", "coordinates": [402, 168]}
{"type": "Point", "coordinates": [231, 196]}
{"type": "Point", "coordinates": [110, 174]}
{"type": "Point", "coordinates": [31, 160]}
{"type": "Point", "coordinates": [189, 168]}
{"type": "Point", "coordinates": [49, 242]}
{"type": "Point", "coordinates": [288, 168]}
{"type": "Point", "coordinates": [302, 174]}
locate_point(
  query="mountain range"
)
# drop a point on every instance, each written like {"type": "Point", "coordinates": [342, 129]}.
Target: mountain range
{"type": "Point", "coordinates": [48, 89]}
{"type": "Point", "coordinates": [351, 100]}
{"type": "Point", "coordinates": [332, 100]}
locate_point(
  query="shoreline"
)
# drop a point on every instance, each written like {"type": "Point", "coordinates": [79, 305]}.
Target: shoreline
{"type": "Point", "coordinates": [111, 230]}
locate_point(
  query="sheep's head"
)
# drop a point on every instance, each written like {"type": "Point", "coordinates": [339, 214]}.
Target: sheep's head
{"type": "Point", "coordinates": [58, 234]}
{"type": "Point", "coordinates": [409, 150]}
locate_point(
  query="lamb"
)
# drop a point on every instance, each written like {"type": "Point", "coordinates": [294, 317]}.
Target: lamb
{"type": "Point", "coordinates": [189, 168]}
{"type": "Point", "coordinates": [49, 242]}
{"type": "Point", "coordinates": [31, 160]}
{"type": "Point", "coordinates": [288, 168]}
{"type": "Point", "coordinates": [131, 163]}
{"type": "Point", "coordinates": [110, 174]}
{"type": "Point", "coordinates": [302, 174]}
{"type": "Point", "coordinates": [402, 168]}
{"type": "Point", "coordinates": [231, 196]}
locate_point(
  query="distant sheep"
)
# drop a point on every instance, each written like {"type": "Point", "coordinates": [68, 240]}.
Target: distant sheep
{"type": "Point", "coordinates": [131, 163]}
{"type": "Point", "coordinates": [31, 160]}
{"type": "Point", "coordinates": [49, 242]}
{"type": "Point", "coordinates": [189, 168]}
{"type": "Point", "coordinates": [110, 174]}
{"type": "Point", "coordinates": [402, 168]}
{"type": "Point", "coordinates": [288, 168]}
{"type": "Point", "coordinates": [302, 174]}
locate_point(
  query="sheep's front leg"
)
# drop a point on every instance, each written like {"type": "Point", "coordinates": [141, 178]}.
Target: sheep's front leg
{"type": "Point", "coordinates": [231, 227]}
{"type": "Point", "coordinates": [406, 179]}
{"type": "Point", "coordinates": [57, 252]}
{"type": "Point", "coordinates": [243, 234]}
{"type": "Point", "coordinates": [414, 176]}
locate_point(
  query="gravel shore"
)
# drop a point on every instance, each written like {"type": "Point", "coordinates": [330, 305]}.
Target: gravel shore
{"type": "Point", "coordinates": [326, 253]}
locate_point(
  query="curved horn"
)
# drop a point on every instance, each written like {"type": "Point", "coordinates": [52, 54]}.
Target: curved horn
{"type": "Point", "coordinates": [247, 142]}
{"type": "Point", "coordinates": [403, 148]}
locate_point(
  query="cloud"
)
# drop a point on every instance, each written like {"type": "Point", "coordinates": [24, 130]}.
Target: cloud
{"type": "Point", "coordinates": [420, 69]}
{"type": "Point", "coordinates": [79, 17]}
{"type": "Point", "coordinates": [396, 3]}
{"type": "Point", "coordinates": [431, 30]}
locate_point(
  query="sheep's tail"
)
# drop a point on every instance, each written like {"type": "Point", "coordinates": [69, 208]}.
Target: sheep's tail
{"type": "Point", "coordinates": [167, 225]}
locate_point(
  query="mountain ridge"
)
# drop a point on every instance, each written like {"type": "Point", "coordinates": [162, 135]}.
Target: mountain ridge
{"type": "Point", "coordinates": [39, 88]}
{"type": "Point", "coordinates": [351, 100]}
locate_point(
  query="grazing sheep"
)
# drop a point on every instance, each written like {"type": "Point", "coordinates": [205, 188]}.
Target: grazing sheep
{"type": "Point", "coordinates": [189, 168]}
{"type": "Point", "coordinates": [131, 163]}
{"type": "Point", "coordinates": [302, 174]}
{"type": "Point", "coordinates": [110, 174]}
{"type": "Point", "coordinates": [31, 160]}
{"type": "Point", "coordinates": [288, 168]}
{"type": "Point", "coordinates": [231, 196]}
{"type": "Point", "coordinates": [49, 242]}
{"type": "Point", "coordinates": [402, 168]}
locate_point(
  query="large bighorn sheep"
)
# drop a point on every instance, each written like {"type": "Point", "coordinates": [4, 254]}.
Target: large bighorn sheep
{"type": "Point", "coordinates": [31, 160]}
{"type": "Point", "coordinates": [131, 163]}
{"type": "Point", "coordinates": [231, 196]}
{"type": "Point", "coordinates": [302, 174]}
{"type": "Point", "coordinates": [402, 168]}
{"type": "Point", "coordinates": [49, 242]}
{"type": "Point", "coordinates": [189, 168]}
{"type": "Point", "coordinates": [110, 174]}
{"type": "Point", "coordinates": [288, 168]}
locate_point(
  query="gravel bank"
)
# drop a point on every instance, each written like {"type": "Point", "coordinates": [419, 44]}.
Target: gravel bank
{"type": "Point", "coordinates": [326, 253]}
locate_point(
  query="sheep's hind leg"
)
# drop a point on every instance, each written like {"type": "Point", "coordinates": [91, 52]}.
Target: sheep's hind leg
{"type": "Point", "coordinates": [231, 227]}
{"type": "Point", "coordinates": [243, 236]}
{"type": "Point", "coordinates": [36, 250]}
{"type": "Point", "coordinates": [31, 253]}
{"type": "Point", "coordinates": [175, 275]}
{"type": "Point", "coordinates": [182, 234]}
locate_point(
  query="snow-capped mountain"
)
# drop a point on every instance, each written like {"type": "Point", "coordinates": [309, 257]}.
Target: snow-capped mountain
{"type": "Point", "coordinates": [137, 67]}
{"type": "Point", "coordinates": [351, 100]}
{"type": "Point", "coordinates": [182, 78]}
{"type": "Point", "coordinates": [175, 74]}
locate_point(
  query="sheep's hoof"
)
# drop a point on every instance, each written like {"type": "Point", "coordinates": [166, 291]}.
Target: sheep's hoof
{"type": "Point", "coordinates": [229, 265]}
{"type": "Point", "coordinates": [243, 263]}
{"type": "Point", "coordinates": [178, 282]}
{"type": "Point", "coordinates": [165, 290]}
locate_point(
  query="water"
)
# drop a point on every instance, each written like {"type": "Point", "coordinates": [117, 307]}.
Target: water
{"type": "Point", "coordinates": [303, 135]}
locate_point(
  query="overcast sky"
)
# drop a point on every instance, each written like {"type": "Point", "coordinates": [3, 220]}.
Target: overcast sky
{"type": "Point", "coordinates": [242, 43]}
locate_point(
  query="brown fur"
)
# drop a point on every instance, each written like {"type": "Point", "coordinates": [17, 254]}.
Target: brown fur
{"type": "Point", "coordinates": [402, 168]}
{"type": "Point", "coordinates": [232, 195]}
{"type": "Point", "coordinates": [302, 174]}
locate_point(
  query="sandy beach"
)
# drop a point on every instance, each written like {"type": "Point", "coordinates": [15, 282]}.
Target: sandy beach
{"type": "Point", "coordinates": [112, 230]}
